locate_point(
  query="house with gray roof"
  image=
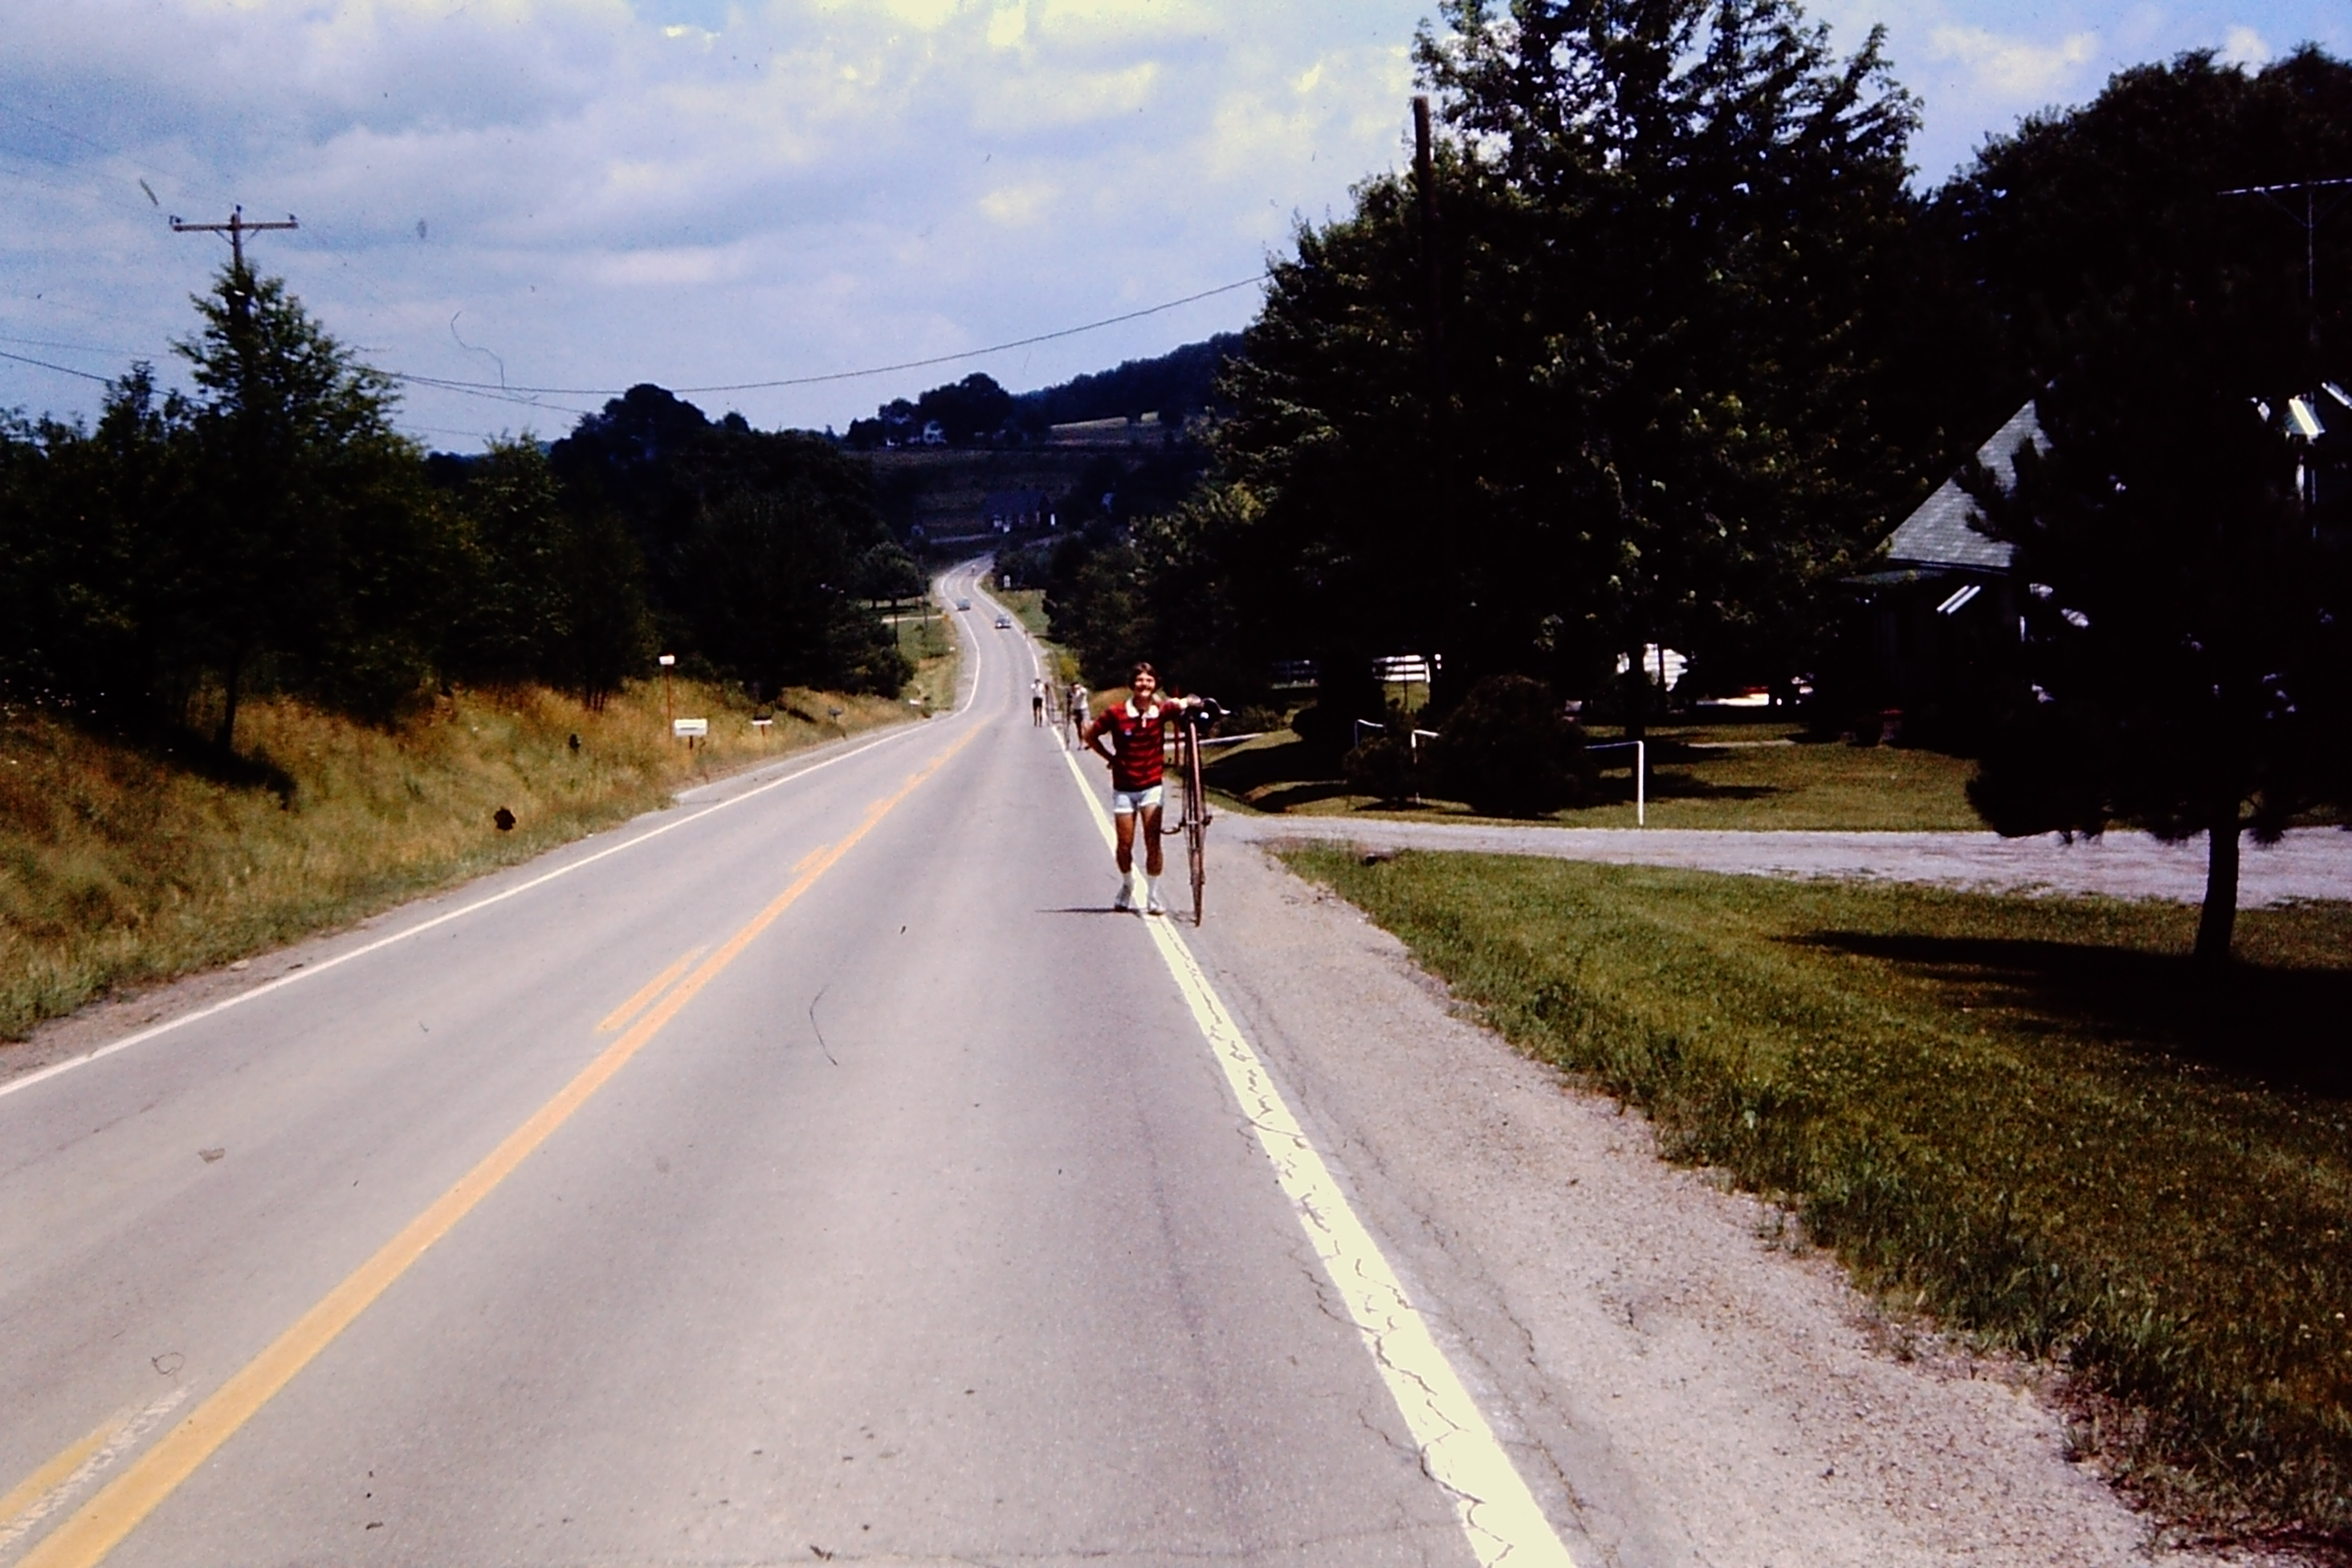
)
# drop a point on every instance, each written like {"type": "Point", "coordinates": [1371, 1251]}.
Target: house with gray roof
{"type": "Point", "coordinates": [1933, 628]}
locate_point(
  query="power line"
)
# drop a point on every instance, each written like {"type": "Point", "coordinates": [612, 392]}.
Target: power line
{"type": "Point", "coordinates": [60, 369]}
{"type": "Point", "coordinates": [839, 374]}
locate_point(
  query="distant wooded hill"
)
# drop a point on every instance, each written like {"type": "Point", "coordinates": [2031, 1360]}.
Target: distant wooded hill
{"type": "Point", "coordinates": [1182, 381]}
{"type": "Point", "coordinates": [977, 412]}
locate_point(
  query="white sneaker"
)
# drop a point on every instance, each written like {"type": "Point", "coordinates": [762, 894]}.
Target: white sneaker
{"type": "Point", "coordinates": [1151, 904]}
{"type": "Point", "coordinates": [1126, 900]}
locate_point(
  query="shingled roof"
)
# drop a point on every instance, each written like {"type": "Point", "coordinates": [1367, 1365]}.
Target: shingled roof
{"type": "Point", "coordinates": [1938, 536]}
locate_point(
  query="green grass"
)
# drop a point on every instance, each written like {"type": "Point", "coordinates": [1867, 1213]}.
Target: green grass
{"type": "Point", "coordinates": [2027, 1118]}
{"type": "Point", "coordinates": [1746, 776]}
{"type": "Point", "coordinates": [121, 865]}
{"type": "Point", "coordinates": [929, 644]}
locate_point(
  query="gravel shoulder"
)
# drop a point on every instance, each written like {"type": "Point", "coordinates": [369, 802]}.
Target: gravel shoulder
{"type": "Point", "coordinates": [2308, 863]}
{"type": "Point", "coordinates": [1676, 1378]}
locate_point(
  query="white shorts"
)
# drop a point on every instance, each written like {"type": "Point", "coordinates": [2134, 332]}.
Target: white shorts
{"type": "Point", "coordinates": [1127, 802]}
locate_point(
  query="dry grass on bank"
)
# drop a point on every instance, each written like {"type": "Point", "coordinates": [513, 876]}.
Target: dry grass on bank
{"type": "Point", "coordinates": [2030, 1118]}
{"type": "Point", "coordinates": [120, 866]}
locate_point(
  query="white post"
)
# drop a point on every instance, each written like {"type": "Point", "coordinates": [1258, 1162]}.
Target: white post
{"type": "Point", "coordinates": [1640, 784]}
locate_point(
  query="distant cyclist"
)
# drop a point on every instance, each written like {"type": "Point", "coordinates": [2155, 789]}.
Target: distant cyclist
{"type": "Point", "coordinates": [1136, 731]}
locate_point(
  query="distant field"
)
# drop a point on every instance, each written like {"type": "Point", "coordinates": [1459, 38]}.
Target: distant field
{"type": "Point", "coordinates": [2029, 1118]}
{"type": "Point", "coordinates": [1753, 775]}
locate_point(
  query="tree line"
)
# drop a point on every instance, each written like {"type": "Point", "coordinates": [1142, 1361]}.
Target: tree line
{"type": "Point", "coordinates": [976, 410]}
{"type": "Point", "coordinates": [270, 531]}
{"type": "Point", "coordinates": [1656, 342]}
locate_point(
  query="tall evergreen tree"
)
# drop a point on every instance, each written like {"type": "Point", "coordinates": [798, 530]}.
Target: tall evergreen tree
{"type": "Point", "coordinates": [308, 541]}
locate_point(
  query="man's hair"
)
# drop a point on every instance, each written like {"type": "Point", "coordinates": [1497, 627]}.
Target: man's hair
{"type": "Point", "coordinates": [1143, 667]}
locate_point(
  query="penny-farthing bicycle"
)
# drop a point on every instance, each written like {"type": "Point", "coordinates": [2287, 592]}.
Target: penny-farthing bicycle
{"type": "Point", "coordinates": [1192, 797]}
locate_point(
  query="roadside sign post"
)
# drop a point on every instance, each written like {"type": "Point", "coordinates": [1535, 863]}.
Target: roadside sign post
{"type": "Point", "coordinates": [669, 708]}
{"type": "Point", "coordinates": [689, 729]}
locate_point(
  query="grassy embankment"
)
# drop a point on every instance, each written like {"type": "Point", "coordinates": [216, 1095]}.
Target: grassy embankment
{"type": "Point", "coordinates": [1751, 775]}
{"type": "Point", "coordinates": [2026, 1118]}
{"type": "Point", "coordinates": [121, 866]}
{"type": "Point", "coordinates": [928, 642]}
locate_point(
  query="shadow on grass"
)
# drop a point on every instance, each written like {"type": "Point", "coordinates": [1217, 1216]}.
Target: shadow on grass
{"type": "Point", "coordinates": [1617, 789]}
{"type": "Point", "coordinates": [184, 751]}
{"type": "Point", "coordinates": [2283, 1029]}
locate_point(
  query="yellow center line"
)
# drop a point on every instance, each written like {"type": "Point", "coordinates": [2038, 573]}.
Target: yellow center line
{"type": "Point", "coordinates": [619, 1016]}
{"type": "Point", "coordinates": [100, 1526]}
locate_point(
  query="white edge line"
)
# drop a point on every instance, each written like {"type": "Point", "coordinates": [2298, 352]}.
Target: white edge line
{"type": "Point", "coordinates": [41, 1075]}
{"type": "Point", "coordinates": [1459, 1450]}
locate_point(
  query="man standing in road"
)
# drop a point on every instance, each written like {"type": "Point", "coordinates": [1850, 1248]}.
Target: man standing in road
{"type": "Point", "coordinates": [1135, 753]}
{"type": "Point", "coordinates": [1076, 713]}
{"type": "Point", "coordinates": [1037, 703]}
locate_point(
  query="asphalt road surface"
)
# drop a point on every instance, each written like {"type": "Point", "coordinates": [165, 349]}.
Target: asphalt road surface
{"type": "Point", "coordinates": [818, 1170]}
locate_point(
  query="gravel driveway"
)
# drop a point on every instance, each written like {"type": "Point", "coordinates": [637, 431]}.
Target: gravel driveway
{"type": "Point", "coordinates": [2309, 863]}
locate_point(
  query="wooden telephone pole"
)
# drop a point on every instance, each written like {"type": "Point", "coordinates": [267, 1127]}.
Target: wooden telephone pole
{"type": "Point", "coordinates": [236, 228]}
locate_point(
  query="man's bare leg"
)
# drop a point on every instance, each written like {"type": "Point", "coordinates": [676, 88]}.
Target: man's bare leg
{"type": "Point", "coordinates": [1150, 816]}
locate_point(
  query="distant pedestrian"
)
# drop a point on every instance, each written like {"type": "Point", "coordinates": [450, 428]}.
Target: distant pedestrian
{"type": "Point", "coordinates": [1079, 715]}
{"type": "Point", "coordinates": [1037, 703]}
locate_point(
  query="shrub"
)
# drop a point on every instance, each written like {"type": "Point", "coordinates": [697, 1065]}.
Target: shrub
{"type": "Point", "coordinates": [1508, 750]}
{"type": "Point", "coordinates": [1385, 768]}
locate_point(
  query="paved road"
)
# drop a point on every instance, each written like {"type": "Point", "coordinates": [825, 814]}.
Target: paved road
{"type": "Point", "coordinates": [2309, 863]}
{"type": "Point", "coordinates": [817, 1170]}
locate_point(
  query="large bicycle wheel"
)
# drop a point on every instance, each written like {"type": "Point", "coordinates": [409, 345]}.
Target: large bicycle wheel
{"type": "Point", "coordinates": [1196, 819]}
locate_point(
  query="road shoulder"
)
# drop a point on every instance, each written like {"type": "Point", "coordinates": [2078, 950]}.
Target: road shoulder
{"type": "Point", "coordinates": [1676, 1381]}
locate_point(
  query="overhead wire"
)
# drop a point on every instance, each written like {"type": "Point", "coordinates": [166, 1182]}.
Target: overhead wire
{"type": "Point", "coordinates": [60, 369]}
{"type": "Point", "coordinates": [450, 385]}
{"type": "Point", "coordinates": [527, 396]}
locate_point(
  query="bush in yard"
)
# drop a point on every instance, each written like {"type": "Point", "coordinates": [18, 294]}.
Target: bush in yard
{"type": "Point", "coordinates": [1385, 768]}
{"type": "Point", "coordinates": [1508, 750]}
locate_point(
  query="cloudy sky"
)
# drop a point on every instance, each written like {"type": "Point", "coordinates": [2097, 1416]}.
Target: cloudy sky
{"type": "Point", "coordinates": [585, 194]}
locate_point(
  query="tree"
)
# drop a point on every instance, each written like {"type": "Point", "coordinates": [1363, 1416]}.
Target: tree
{"type": "Point", "coordinates": [753, 541]}
{"type": "Point", "coordinates": [2185, 653]}
{"type": "Point", "coordinates": [308, 541]}
{"type": "Point", "coordinates": [1619, 390]}
{"type": "Point", "coordinates": [557, 591]}
{"type": "Point", "coordinates": [87, 593]}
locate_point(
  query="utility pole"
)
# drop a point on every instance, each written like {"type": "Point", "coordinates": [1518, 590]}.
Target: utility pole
{"type": "Point", "coordinates": [236, 228]}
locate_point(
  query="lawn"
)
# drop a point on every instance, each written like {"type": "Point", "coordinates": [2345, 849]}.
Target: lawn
{"type": "Point", "coordinates": [1764, 775]}
{"type": "Point", "coordinates": [2025, 1118]}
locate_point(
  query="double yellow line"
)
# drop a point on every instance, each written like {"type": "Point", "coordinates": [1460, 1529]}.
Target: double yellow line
{"type": "Point", "coordinates": [100, 1525]}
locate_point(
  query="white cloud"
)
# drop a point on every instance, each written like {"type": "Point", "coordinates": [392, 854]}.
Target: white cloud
{"type": "Point", "coordinates": [2015, 68]}
{"type": "Point", "coordinates": [2244, 47]}
{"type": "Point", "coordinates": [710, 190]}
